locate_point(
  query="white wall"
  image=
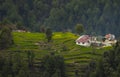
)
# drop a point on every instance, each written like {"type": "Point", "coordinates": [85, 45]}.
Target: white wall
{"type": "Point", "coordinates": [83, 44]}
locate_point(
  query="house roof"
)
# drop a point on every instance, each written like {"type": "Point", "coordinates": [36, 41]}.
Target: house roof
{"type": "Point", "coordinates": [83, 38]}
{"type": "Point", "coordinates": [108, 36]}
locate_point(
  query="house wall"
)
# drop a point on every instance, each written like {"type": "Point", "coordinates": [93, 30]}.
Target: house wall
{"type": "Point", "coordinates": [83, 44]}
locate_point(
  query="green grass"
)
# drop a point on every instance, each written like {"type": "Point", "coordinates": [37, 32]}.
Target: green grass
{"type": "Point", "coordinates": [73, 53]}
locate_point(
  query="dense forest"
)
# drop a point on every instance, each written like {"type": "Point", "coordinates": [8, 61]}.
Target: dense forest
{"type": "Point", "coordinates": [13, 65]}
{"type": "Point", "coordinates": [97, 16]}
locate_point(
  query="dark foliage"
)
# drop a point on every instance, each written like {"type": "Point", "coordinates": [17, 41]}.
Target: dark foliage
{"type": "Point", "coordinates": [53, 66]}
{"type": "Point", "coordinates": [6, 39]}
{"type": "Point", "coordinates": [48, 33]}
{"type": "Point", "coordinates": [13, 66]}
{"type": "Point", "coordinates": [97, 16]}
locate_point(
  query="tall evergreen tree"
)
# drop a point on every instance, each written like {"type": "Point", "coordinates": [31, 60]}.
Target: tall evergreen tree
{"type": "Point", "coordinates": [79, 29]}
{"type": "Point", "coordinates": [48, 34]}
{"type": "Point", "coordinates": [6, 38]}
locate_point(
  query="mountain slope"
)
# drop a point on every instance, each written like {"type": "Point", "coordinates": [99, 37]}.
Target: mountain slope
{"type": "Point", "coordinates": [76, 57]}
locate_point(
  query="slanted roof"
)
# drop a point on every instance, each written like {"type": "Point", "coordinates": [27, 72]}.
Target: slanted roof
{"type": "Point", "coordinates": [108, 36]}
{"type": "Point", "coordinates": [83, 38]}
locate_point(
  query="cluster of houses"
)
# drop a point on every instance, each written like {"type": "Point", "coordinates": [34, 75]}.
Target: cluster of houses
{"type": "Point", "coordinates": [98, 41]}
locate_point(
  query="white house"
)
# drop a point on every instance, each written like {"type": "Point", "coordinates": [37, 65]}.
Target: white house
{"type": "Point", "coordinates": [97, 41]}
{"type": "Point", "coordinates": [110, 37]}
{"type": "Point", "coordinates": [84, 40]}
{"type": "Point", "coordinates": [110, 40]}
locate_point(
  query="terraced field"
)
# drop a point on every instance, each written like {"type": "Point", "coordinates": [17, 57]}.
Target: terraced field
{"type": "Point", "coordinates": [76, 57]}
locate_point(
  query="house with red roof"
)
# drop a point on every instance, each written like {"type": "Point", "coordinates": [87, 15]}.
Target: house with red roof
{"type": "Point", "coordinates": [97, 41]}
{"type": "Point", "coordinates": [110, 37]}
{"type": "Point", "coordinates": [109, 40]}
{"type": "Point", "coordinates": [84, 40]}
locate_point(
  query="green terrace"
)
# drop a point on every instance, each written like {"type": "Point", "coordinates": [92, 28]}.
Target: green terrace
{"type": "Point", "coordinates": [76, 57]}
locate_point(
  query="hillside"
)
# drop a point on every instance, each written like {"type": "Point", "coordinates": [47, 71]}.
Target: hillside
{"type": "Point", "coordinates": [76, 57]}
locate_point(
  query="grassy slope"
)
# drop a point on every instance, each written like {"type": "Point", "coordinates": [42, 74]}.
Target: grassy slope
{"type": "Point", "coordinates": [75, 56]}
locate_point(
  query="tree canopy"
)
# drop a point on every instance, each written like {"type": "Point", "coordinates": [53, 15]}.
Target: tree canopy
{"type": "Point", "coordinates": [53, 66]}
{"type": "Point", "coordinates": [48, 34]}
{"type": "Point", "coordinates": [79, 28]}
{"type": "Point", "coordinates": [100, 16]}
{"type": "Point", "coordinates": [6, 39]}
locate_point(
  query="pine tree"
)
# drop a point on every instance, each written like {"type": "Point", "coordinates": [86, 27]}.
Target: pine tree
{"type": "Point", "coordinates": [48, 34]}
{"type": "Point", "coordinates": [79, 28]}
{"type": "Point", "coordinates": [6, 39]}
